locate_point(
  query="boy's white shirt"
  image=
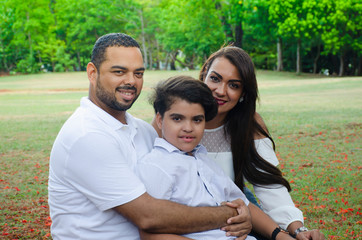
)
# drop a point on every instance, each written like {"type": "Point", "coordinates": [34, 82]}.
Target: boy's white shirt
{"type": "Point", "coordinates": [171, 174]}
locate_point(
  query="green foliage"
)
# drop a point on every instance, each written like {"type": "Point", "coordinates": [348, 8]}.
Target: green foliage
{"type": "Point", "coordinates": [344, 26]}
{"type": "Point", "coordinates": [59, 35]}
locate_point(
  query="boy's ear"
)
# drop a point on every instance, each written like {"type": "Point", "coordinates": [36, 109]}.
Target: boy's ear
{"type": "Point", "coordinates": [159, 120]}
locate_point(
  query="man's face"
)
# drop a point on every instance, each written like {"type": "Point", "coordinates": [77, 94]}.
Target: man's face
{"type": "Point", "coordinates": [119, 79]}
{"type": "Point", "coordinates": [183, 124]}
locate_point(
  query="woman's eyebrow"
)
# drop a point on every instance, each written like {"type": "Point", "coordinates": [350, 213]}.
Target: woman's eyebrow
{"type": "Point", "coordinates": [231, 80]}
{"type": "Point", "coordinates": [218, 75]}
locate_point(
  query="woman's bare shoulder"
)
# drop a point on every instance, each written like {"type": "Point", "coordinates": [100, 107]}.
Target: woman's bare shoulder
{"type": "Point", "coordinates": [260, 121]}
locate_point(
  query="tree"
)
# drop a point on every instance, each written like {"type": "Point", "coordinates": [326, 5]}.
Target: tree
{"type": "Point", "coordinates": [288, 15]}
{"type": "Point", "coordinates": [195, 36]}
{"type": "Point", "coordinates": [82, 22]}
{"type": "Point", "coordinates": [259, 36]}
{"type": "Point", "coordinates": [343, 30]}
{"type": "Point", "coordinates": [31, 20]}
{"type": "Point", "coordinates": [8, 53]}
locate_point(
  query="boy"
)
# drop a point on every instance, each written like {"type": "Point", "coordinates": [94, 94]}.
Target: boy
{"type": "Point", "coordinates": [178, 168]}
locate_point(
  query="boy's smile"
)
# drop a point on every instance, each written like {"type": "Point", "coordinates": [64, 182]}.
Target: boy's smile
{"type": "Point", "coordinates": [183, 124]}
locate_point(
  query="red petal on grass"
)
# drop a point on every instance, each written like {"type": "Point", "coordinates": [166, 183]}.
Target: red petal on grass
{"type": "Point", "coordinates": [321, 206]}
{"type": "Point", "coordinates": [17, 189]}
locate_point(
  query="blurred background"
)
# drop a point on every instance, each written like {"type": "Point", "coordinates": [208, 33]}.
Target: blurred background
{"type": "Point", "coordinates": [311, 36]}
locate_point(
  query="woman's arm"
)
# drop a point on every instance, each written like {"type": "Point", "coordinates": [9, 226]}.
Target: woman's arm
{"type": "Point", "coordinates": [276, 200]}
{"type": "Point", "coordinates": [260, 121]}
{"type": "Point", "coordinates": [264, 225]}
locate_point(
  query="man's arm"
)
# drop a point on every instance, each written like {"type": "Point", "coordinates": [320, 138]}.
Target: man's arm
{"type": "Point", "coordinates": [156, 236]}
{"type": "Point", "coordinates": [162, 216]}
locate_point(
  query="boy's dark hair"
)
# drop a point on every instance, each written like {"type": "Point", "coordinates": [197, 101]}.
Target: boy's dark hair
{"type": "Point", "coordinates": [110, 40]}
{"type": "Point", "coordinates": [185, 88]}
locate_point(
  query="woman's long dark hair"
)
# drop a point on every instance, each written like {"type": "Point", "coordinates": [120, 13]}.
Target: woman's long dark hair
{"type": "Point", "coordinates": [241, 125]}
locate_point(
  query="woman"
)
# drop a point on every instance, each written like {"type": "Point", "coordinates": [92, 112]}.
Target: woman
{"type": "Point", "coordinates": [237, 138]}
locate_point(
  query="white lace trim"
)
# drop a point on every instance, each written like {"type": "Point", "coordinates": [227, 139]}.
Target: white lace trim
{"type": "Point", "coordinates": [215, 140]}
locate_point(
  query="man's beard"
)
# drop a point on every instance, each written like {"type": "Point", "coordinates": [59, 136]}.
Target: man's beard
{"type": "Point", "coordinates": [110, 100]}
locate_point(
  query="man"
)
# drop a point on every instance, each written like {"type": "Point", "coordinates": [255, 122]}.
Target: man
{"type": "Point", "coordinates": [93, 190]}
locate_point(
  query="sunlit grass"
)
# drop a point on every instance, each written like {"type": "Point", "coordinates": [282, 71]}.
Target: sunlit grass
{"type": "Point", "coordinates": [315, 121]}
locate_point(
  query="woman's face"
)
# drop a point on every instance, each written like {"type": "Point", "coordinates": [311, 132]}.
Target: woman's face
{"type": "Point", "coordinates": [224, 80]}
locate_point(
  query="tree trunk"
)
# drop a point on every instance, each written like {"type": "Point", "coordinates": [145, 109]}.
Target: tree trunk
{"type": "Point", "coordinates": [315, 63]}
{"type": "Point", "coordinates": [5, 64]}
{"type": "Point", "coordinates": [39, 57]}
{"type": "Point", "coordinates": [157, 55]}
{"type": "Point", "coordinates": [29, 35]}
{"type": "Point", "coordinates": [239, 35]}
{"type": "Point", "coordinates": [341, 64]}
{"type": "Point", "coordinates": [30, 45]}
{"type": "Point", "coordinates": [226, 25]}
{"type": "Point", "coordinates": [189, 65]}
{"type": "Point", "coordinates": [144, 48]}
{"type": "Point", "coordinates": [298, 57]}
{"type": "Point", "coordinates": [79, 63]}
{"type": "Point", "coordinates": [150, 57]}
{"type": "Point", "coordinates": [359, 69]}
{"type": "Point", "coordinates": [173, 60]}
{"type": "Point", "coordinates": [280, 66]}
{"type": "Point", "coordinates": [166, 61]}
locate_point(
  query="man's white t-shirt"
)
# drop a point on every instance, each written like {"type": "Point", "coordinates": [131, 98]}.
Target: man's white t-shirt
{"type": "Point", "coordinates": [92, 166]}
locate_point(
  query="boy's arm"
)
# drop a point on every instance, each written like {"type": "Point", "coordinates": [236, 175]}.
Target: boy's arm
{"type": "Point", "coordinates": [264, 225]}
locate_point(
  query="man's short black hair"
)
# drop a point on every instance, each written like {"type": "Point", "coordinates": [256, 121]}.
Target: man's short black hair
{"type": "Point", "coordinates": [184, 88]}
{"type": "Point", "coordinates": [110, 40]}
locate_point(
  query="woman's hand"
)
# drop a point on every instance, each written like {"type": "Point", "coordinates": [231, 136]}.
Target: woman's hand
{"type": "Point", "coordinates": [314, 234]}
{"type": "Point", "coordinates": [240, 225]}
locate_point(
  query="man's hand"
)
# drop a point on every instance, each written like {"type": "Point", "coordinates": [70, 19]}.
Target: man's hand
{"type": "Point", "coordinates": [314, 234]}
{"type": "Point", "coordinates": [240, 225]}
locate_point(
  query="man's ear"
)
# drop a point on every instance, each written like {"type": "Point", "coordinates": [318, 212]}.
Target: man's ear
{"type": "Point", "coordinates": [92, 73]}
{"type": "Point", "coordinates": [159, 121]}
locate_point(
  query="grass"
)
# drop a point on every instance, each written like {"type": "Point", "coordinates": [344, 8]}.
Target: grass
{"type": "Point", "coordinates": [315, 121]}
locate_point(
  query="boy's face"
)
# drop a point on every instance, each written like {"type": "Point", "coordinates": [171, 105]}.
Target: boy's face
{"type": "Point", "coordinates": [183, 124]}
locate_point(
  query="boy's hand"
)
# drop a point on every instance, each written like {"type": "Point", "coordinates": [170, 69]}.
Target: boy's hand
{"type": "Point", "coordinates": [240, 225]}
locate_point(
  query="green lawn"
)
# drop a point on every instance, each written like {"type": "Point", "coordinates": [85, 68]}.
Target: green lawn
{"type": "Point", "coordinates": [315, 121]}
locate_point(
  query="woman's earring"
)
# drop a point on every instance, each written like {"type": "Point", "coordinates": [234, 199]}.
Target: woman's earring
{"type": "Point", "coordinates": [241, 99]}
